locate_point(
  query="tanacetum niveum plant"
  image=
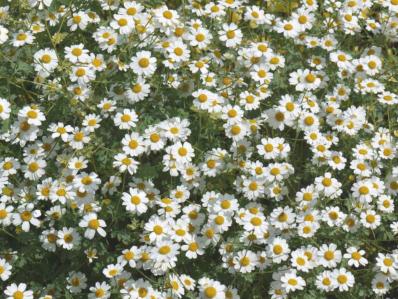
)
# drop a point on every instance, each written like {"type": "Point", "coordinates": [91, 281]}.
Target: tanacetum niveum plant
{"type": "Point", "coordinates": [222, 149]}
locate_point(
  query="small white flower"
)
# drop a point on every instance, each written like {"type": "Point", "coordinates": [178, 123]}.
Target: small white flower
{"type": "Point", "coordinates": [93, 225]}
{"type": "Point", "coordinates": [135, 201]}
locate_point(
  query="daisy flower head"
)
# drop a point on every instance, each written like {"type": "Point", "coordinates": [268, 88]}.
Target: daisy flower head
{"type": "Point", "coordinates": [143, 64]}
{"type": "Point", "coordinates": [3, 34]}
{"type": "Point", "coordinates": [292, 282]}
{"type": "Point", "coordinates": [93, 225]}
{"type": "Point", "coordinates": [68, 238]}
{"type": "Point", "coordinates": [78, 21]}
{"type": "Point", "coordinates": [26, 216]}
{"type": "Point", "coordinates": [133, 144]}
{"type": "Point", "coordinates": [231, 35]}
{"type": "Point", "coordinates": [356, 257]}
{"type": "Point", "coordinates": [126, 119]}
{"type": "Point", "coordinates": [289, 29]}
{"type": "Point", "coordinates": [325, 281]}
{"type": "Point", "coordinates": [209, 288]}
{"type": "Point", "coordinates": [100, 290]}
{"type": "Point", "coordinates": [82, 74]}
{"type": "Point", "coordinates": [138, 90]}
{"type": "Point", "coordinates": [32, 115]}
{"type": "Point", "coordinates": [380, 284]}
{"type": "Point", "coordinates": [77, 54]}
{"type": "Point", "coordinates": [278, 250]}
{"type": "Point", "coordinates": [22, 38]}
{"type": "Point", "coordinates": [304, 79]}
{"type": "Point", "coordinates": [135, 201]}
{"type": "Point", "coordinates": [46, 61]}
{"type": "Point", "coordinates": [329, 255]}
{"type": "Point", "coordinates": [166, 17]}
{"type": "Point", "coordinates": [344, 279]}
{"type": "Point", "coordinates": [4, 109]}
{"type": "Point", "coordinates": [77, 281]}
{"type": "Point", "coordinates": [18, 291]}
{"type": "Point", "coordinates": [200, 37]}
{"type": "Point", "coordinates": [123, 23]}
{"type": "Point", "coordinates": [5, 269]}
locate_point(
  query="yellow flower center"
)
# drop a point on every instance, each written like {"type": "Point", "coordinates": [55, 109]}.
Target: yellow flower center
{"type": "Point", "coordinates": [93, 224]}
{"type": "Point", "coordinates": [68, 238]}
{"type": "Point", "coordinates": [328, 255]}
{"type": "Point", "coordinates": [3, 214]}
{"type": "Point", "coordinates": [168, 14]}
{"type": "Point", "coordinates": [302, 20]}
{"type": "Point", "coordinates": [253, 186]}
{"type": "Point", "coordinates": [262, 73]}
{"type": "Point", "coordinates": [279, 116]}
{"type": "Point", "coordinates": [7, 165]}
{"type": "Point", "coordinates": [363, 190]}
{"type": "Point", "coordinates": [61, 192]}
{"type": "Point", "coordinates": [131, 11]}
{"type": "Point", "coordinates": [77, 19]}
{"type": "Point", "coordinates": [211, 164]}
{"type": "Point", "coordinates": [18, 295]}
{"type": "Point", "coordinates": [333, 215]}
{"type": "Point", "coordinates": [256, 221]}
{"type": "Point", "coordinates": [342, 279]}
{"type": "Point", "coordinates": [122, 22]}
{"type": "Point", "coordinates": [388, 262]}
{"type": "Point", "coordinates": [326, 281]}
{"type": "Point", "coordinates": [225, 204]}
{"type": "Point", "coordinates": [32, 114]}
{"type": "Point", "coordinates": [87, 180]}
{"type": "Point", "coordinates": [157, 229]}
{"type": "Point", "coordinates": [97, 62]}
{"type": "Point", "coordinates": [277, 249]}
{"type": "Point", "coordinates": [230, 34]}
{"type": "Point", "coordinates": [275, 171]}
{"type": "Point", "coordinates": [128, 256]}
{"type": "Point", "coordinates": [370, 218]}
{"type": "Point", "coordinates": [182, 151]}
{"type": "Point", "coordinates": [200, 37]}
{"type": "Point", "coordinates": [235, 130]}
{"type": "Point", "coordinates": [80, 72]}
{"type": "Point", "coordinates": [21, 36]}
{"type": "Point", "coordinates": [288, 27]}
{"type": "Point", "coordinates": [180, 232]}
{"type": "Point", "coordinates": [307, 196]}
{"type": "Point", "coordinates": [327, 182]}
{"type": "Point", "coordinates": [193, 246]}
{"type": "Point", "coordinates": [210, 292]}
{"type": "Point", "coordinates": [33, 167]}
{"type": "Point", "coordinates": [292, 281]}
{"type": "Point", "coordinates": [178, 51]}
{"type": "Point", "coordinates": [244, 261]}
{"type": "Point", "coordinates": [310, 78]}
{"type": "Point", "coordinates": [143, 62]}
{"type": "Point", "coordinates": [164, 250]}
{"type": "Point", "coordinates": [309, 120]}
{"type": "Point", "coordinates": [99, 293]}
{"type": "Point", "coordinates": [282, 217]}
{"type": "Point", "coordinates": [356, 255]}
{"type": "Point", "coordinates": [51, 238]}
{"type": "Point", "coordinates": [219, 220]}
{"type": "Point", "coordinates": [154, 137]}
{"type": "Point", "coordinates": [136, 200]}
{"type": "Point", "coordinates": [45, 58]}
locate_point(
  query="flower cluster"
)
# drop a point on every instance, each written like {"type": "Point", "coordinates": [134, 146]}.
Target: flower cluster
{"type": "Point", "coordinates": [198, 149]}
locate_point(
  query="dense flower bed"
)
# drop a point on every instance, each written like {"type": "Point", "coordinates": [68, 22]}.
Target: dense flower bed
{"type": "Point", "coordinates": [197, 149]}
